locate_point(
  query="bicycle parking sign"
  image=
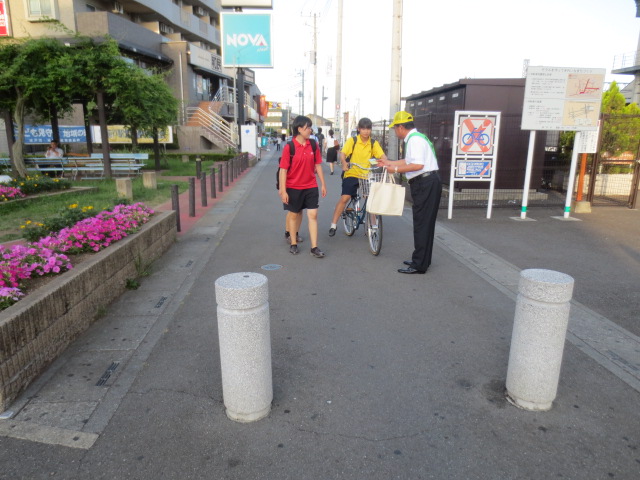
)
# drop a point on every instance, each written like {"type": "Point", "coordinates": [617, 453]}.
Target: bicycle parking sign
{"type": "Point", "coordinates": [475, 156]}
{"type": "Point", "coordinates": [475, 135]}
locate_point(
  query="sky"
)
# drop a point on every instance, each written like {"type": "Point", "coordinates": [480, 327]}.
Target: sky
{"type": "Point", "coordinates": [443, 41]}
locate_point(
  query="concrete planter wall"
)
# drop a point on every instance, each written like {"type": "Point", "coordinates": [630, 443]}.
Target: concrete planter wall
{"type": "Point", "coordinates": [34, 331]}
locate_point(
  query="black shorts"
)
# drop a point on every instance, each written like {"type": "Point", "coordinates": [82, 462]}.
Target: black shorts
{"type": "Point", "coordinates": [350, 186]}
{"type": "Point", "coordinates": [300, 199]}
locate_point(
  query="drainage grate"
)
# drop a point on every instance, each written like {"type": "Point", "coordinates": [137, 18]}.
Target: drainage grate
{"type": "Point", "coordinates": [160, 302]}
{"type": "Point", "coordinates": [271, 266]}
{"type": "Point", "coordinates": [105, 376]}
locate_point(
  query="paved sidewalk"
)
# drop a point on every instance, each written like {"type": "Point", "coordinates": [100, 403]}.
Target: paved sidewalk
{"type": "Point", "coordinates": [376, 375]}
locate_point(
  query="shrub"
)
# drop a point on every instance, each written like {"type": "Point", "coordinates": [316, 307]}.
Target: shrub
{"type": "Point", "coordinates": [68, 216]}
{"type": "Point", "coordinates": [37, 184]}
{"type": "Point", "coordinates": [9, 193]}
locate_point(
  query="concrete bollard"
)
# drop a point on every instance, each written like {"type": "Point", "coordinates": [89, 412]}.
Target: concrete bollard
{"type": "Point", "coordinates": [537, 341]}
{"type": "Point", "coordinates": [149, 180]}
{"type": "Point", "coordinates": [124, 187]}
{"type": "Point", "coordinates": [245, 345]}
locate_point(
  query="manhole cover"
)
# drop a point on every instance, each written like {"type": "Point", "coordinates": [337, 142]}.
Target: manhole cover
{"type": "Point", "coordinates": [271, 266]}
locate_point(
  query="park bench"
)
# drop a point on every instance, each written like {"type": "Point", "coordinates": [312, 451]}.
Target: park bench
{"type": "Point", "coordinates": [58, 166]}
{"type": "Point", "coordinates": [122, 164]}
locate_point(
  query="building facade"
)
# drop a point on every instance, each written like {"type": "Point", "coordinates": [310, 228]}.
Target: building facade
{"type": "Point", "coordinates": [182, 37]}
{"type": "Point", "coordinates": [434, 114]}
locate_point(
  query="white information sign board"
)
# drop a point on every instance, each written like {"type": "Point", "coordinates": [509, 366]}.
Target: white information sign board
{"type": "Point", "coordinates": [249, 139]}
{"type": "Point", "coordinates": [562, 98]}
{"type": "Point", "coordinates": [588, 141]}
{"type": "Point", "coordinates": [474, 157]}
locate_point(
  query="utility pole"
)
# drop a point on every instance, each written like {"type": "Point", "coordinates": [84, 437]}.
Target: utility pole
{"type": "Point", "coordinates": [396, 73]}
{"type": "Point", "coordinates": [315, 69]}
{"type": "Point", "coordinates": [302, 111]}
{"type": "Point", "coordinates": [338, 97]}
{"type": "Point", "coordinates": [323, 99]}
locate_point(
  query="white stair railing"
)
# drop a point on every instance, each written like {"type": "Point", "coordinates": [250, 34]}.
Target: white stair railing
{"type": "Point", "coordinates": [214, 127]}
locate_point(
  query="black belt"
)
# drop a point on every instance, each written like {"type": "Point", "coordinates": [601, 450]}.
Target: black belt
{"type": "Point", "coordinates": [424, 174]}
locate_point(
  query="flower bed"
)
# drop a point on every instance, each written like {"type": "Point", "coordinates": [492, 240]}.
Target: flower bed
{"type": "Point", "coordinates": [47, 256]}
{"type": "Point", "coordinates": [35, 330]}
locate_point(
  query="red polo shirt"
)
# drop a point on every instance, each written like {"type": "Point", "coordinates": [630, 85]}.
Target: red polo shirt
{"type": "Point", "coordinates": [301, 172]}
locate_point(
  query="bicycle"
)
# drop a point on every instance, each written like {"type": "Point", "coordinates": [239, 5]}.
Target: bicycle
{"type": "Point", "coordinates": [355, 212]}
{"type": "Point", "coordinates": [476, 135]}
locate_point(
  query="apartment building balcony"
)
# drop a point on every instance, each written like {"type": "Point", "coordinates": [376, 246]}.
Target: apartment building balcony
{"type": "Point", "coordinates": [197, 22]}
{"type": "Point", "coordinates": [626, 63]}
{"type": "Point", "coordinates": [130, 36]}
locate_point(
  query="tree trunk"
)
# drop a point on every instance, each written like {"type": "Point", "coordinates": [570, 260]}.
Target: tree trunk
{"type": "Point", "coordinates": [18, 167]}
{"type": "Point", "coordinates": [104, 132]}
{"type": "Point", "coordinates": [87, 127]}
{"type": "Point", "coordinates": [156, 149]}
{"type": "Point", "coordinates": [134, 138]}
{"type": "Point", "coordinates": [8, 127]}
{"type": "Point", "coordinates": [55, 128]}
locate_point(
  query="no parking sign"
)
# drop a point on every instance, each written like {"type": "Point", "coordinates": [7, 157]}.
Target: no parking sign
{"type": "Point", "coordinates": [476, 153]}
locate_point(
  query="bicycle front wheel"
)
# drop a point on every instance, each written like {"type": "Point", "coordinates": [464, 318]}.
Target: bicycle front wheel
{"type": "Point", "coordinates": [349, 220]}
{"type": "Point", "coordinates": [374, 232]}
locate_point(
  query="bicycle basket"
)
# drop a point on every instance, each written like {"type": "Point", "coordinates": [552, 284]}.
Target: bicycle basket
{"type": "Point", "coordinates": [376, 176]}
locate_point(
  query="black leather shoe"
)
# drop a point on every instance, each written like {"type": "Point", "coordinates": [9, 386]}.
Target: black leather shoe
{"type": "Point", "coordinates": [410, 270]}
{"type": "Point", "coordinates": [408, 262]}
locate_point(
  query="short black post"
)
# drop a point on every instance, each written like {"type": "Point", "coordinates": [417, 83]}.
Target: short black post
{"type": "Point", "coordinates": [192, 197]}
{"type": "Point", "coordinates": [203, 189]}
{"type": "Point", "coordinates": [220, 178]}
{"type": "Point", "coordinates": [226, 174]}
{"type": "Point", "coordinates": [175, 204]}
{"type": "Point", "coordinates": [198, 166]}
{"type": "Point", "coordinates": [213, 182]}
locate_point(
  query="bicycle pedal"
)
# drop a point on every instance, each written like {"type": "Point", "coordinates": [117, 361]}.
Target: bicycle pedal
{"type": "Point", "coordinates": [350, 210]}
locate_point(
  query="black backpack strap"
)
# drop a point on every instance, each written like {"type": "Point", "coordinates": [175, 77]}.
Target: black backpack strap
{"type": "Point", "coordinates": [292, 151]}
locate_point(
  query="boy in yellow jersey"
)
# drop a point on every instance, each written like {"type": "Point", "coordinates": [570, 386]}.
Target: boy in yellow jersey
{"type": "Point", "coordinates": [364, 149]}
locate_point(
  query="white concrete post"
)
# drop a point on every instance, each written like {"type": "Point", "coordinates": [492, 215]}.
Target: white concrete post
{"type": "Point", "coordinates": [150, 180]}
{"type": "Point", "coordinates": [124, 187]}
{"type": "Point", "coordinates": [245, 345]}
{"type": "Point", "coordinates": [537, 341]}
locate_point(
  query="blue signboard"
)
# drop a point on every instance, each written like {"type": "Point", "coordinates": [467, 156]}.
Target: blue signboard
{"type": "Point", "coordinates": [469, 169]}
{"type": "Point", "coordinates": [246, 40]}
{"type": "Point", "coordinates": [43, 134]}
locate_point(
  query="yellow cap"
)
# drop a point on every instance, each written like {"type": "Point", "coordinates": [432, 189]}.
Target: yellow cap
{"type": "Point", "coordinates": [401, 117]}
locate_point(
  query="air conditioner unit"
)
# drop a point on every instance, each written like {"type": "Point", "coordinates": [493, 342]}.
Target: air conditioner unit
{"type": "Point", "coordinates": [164, 28]}
{"type": "Point", "coordinates": [117, 8]}
{"type": "Point", "coordinates": [199, 11]}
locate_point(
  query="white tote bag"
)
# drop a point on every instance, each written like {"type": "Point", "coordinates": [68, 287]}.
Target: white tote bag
{"type": "Point", "coordinates": [386, 197]}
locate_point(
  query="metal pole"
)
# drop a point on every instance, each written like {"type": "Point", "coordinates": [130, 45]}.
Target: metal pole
{"type": "Point", "coordinates": [213, 182]}
{"type": "Point", "coordinates": [396, 73]}
{"type": "Point", "coordinates": [338, 93]}
{"type": "Point", "coordinates": [175, 204]}
{"type": "Point", "coordinates": [192, 197]}
{"type": "Point", "coordinates": [315, 70]}
{"type": "Point", "coordinates": [572, 175]}
{"type": "Point", "coordinates": [527, 175]}
{"type": "Point", "coordinates": [198, 167]}
{"type": "Point", "coordinates": [226, 174]}
{"type": "Point", "coordinates": [220, 179]}
{"type": "Point", "coordinates": [203, 190]}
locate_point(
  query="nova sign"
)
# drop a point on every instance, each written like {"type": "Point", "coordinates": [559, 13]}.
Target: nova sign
{"type": "Point", "coordinates": [246, 40]}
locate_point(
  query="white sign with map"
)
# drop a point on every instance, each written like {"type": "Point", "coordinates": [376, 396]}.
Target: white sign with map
{"type": "Point", "coordinates": [562, 98]}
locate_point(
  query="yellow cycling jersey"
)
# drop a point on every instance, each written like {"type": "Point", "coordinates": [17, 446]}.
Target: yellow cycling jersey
{"type": "Point", "coordinates": [361, 155]}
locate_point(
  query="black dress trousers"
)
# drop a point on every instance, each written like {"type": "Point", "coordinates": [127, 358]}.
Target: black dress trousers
{"type": "Point", "coordinates": [425, 193]}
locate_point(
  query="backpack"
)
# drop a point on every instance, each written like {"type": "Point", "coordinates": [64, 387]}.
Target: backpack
{"type": "Point", "coordinates": [292, 152]}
